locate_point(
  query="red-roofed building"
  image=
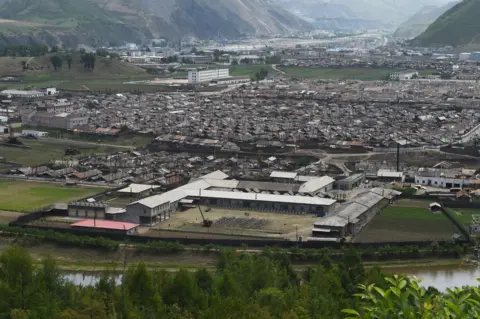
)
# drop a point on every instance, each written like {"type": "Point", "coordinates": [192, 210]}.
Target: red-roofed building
{"type": "Point", "coordinates": [98, 225]}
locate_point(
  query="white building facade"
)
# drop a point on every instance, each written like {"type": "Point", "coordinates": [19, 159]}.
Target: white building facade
{"type": "Point", "coordinates": [403, 75]}
{"type": "Point", "coordinates": [196, 76]}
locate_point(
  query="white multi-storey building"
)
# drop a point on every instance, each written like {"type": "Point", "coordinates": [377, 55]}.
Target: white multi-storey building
{"type": "Point", "coordinates": [196, 76]}
{"type": "Point", "coordinates": [403, 75]}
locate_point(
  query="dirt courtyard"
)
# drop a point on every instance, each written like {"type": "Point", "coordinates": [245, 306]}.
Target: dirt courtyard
{"type": "Point", "coordinates": [240, 222]}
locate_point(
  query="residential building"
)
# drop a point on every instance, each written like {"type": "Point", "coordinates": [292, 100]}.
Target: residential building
{"type": "Point", "coordinates": [197, 59]}
{"type": "Point", "coordinates": [475, 56]}
{"type": "Point", "coordinates": [350, 182]}
{"type": "Point", "coordinates": [197, 76]}
{"type": "Point", "coordinates": [66, 121]}
{"type": "Point", "coordinates": [59, 106]}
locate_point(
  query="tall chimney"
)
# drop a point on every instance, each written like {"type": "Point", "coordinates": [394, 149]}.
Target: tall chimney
{"type": "Point", "coordinates": [398, 157]}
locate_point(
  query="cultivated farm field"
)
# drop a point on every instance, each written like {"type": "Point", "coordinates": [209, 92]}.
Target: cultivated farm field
{"type": "Point", "coordinates": [407, 221]}
{"type": "Point", "coordinates": [27, 196]}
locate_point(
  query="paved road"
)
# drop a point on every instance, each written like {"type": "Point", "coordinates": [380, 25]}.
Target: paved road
{"type": "Point", "coordinates": [77, 142]}
{"type": "Point", "coordinates": [274, 66]}
{"type": "Point", "coordinates": [58, 181]}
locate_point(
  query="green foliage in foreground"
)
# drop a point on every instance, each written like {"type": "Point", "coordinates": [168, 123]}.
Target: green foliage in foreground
{"type": "Point", "coordinates": [243, 286]}
{"type": "Point", "coordinates": [405, 299]}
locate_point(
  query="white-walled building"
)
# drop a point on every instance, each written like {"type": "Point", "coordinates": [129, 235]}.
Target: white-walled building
{"type": "Point", "coordinates": [34, 133]}
{"type": "Point", "coordinates": [443, 182]}
{"type": "Point", "coordinates": [197, 76]}
{"type": "Point", "coordinates": [403, 75]}
{"type": "Point", "coordinates": [464, 56]}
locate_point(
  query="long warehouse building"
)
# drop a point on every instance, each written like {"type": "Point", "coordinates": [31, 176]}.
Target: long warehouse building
{"type": "Point", "coordinates": [225, 193]}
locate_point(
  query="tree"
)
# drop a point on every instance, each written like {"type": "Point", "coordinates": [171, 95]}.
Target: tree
{"type": "Point", "coordinates": [405, 299]}
{"type": "Point", "coordinates": [19, 314]}
{"type": "Point", "coordinates": [88, 61]}
{"type": "Point", "coordinates": [55, 49]}
{"type": "Point", "coordinates": [261, 75]}
{"type": "Point", "coordinates": [216, 55]}
{"type": "Point", "coordinates": [24, 65]}
{"type": "Point", "coordinates": [69, 61]}
{"type": "Point", "coordinates": [234, 62]}
{"type": "Point", "coordinates": [102, 52]}
{"type": "Point", "coordinates": [56, 62]}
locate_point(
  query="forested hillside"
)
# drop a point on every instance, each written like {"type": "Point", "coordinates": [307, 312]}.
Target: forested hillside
{"type": "Point", "coordinates": [243, 286]}
{"type": "Point", "coordinates": [458, 26]}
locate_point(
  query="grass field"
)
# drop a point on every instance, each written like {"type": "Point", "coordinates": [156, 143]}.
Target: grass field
{"type": "Point", "coordinates": [464, 215]}
{"type": "Point", "coordinates": [249, 70]}
{"type": "Point", "coordinates": [45, 150]}
{"type": "Point", "coordinates": [26, 196]}
{"type": "Point", "coordinates": [407, 221]}
{"type": "Point", "coordinates": [364, 74]}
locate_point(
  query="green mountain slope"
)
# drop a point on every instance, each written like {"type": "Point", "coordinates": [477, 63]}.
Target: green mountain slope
{"type": "Point", "coordinates": [99, 22]}
{"type": "Point", "coordinates": [457, 27]}
{"type": "Point", "coordinates": [419, 22]}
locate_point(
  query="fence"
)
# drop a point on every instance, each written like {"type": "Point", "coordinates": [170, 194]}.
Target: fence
{"type": "Point", "coordinates": [239, 242]}
{"type": "Point", "coordinates": [457, 223]}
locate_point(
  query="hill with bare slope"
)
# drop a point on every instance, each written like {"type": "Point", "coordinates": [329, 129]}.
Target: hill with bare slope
{"type": "Point", "coordinates": [42, 66]}
{"type": "Point", "coordinates": [104, 22]}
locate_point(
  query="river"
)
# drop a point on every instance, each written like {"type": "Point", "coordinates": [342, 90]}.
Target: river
{"type": "Point", "coordinates": [440, 277]}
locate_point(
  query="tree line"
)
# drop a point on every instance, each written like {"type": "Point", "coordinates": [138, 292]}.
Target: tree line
{"type": "Point", "coordinates": [86, 59]}
{"type": "Point", "coordinates": [31, 50]}
{"type": "Point", "coordinates": [262, 286]}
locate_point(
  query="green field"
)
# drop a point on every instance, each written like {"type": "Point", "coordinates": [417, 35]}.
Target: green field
{"type": "Point", "coordinates": [464, 215]}
{"type": "Point", "coordinates": [27, 196]}
{"type": "Point", "coordinates": [45, 150]}
{"type": "Point", "coordinates": [363, 74]}
{"type": "Point", "coordinates": [249, 70]}
{"type": "Point", "coordinates": [401, 223]}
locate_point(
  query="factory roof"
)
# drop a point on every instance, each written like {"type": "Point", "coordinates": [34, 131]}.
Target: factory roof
{"type": "Point", "coordinates": [268, 186]}
{"type": "Point", "coordinates": [352, 178]}
{"type": "Point", "coordinates": [316, 184]}
{"type": "Point", "coordinates": [306, 200]}
{"type": "Point", "coordinates": [137, 188]}
{"type": "Point", "coordinates": [222, 183]}
{"type": "Point", "coordinates": [286, 175]}
{"type": "Point", "coordinates": [304, 178]}
{"type": "Point", "coordinates": [351, 211]}
{"type": "Point", "coordinates": [390, 174]}
{"type": "Point", "coordinates": [104, 224]}
{"type": "Point", "coordinates": [173, 195]}
{"type": "Point", "coordinates": [215, 175]}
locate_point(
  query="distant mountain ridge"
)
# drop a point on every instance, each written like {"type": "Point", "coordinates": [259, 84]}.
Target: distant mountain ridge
{"type": "Point", "coordinates": [418, 23]}
{"type": "Point", "coordinates": [99, 22]}
{"type": "Point", "coordinates": [458, 26]}
{"type": "Point", "coordinates": [385, 14]}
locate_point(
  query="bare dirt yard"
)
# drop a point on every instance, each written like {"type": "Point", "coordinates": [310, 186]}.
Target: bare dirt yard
{"type": "Point", "coordinates": [240, 223]}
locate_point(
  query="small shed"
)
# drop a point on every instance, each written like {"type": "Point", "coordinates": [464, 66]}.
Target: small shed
{"type": "Point", "coordinates": [435, 207]}
{"type": "Point", "coordinates": [463, 196]}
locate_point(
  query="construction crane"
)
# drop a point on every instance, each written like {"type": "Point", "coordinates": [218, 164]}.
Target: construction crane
{"type": "Point", "coordinates": [205, 222]}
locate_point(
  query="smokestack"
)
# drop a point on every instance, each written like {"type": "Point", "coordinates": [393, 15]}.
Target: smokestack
{"type": "Point", "coordinates": [398, 157]}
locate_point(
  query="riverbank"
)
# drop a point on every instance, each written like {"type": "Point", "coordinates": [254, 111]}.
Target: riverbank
{"type": "Point", "coordinates": [92, 260]}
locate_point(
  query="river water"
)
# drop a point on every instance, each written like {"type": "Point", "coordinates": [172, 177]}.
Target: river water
{"type": "Point", "coordinates": [440, 277]}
